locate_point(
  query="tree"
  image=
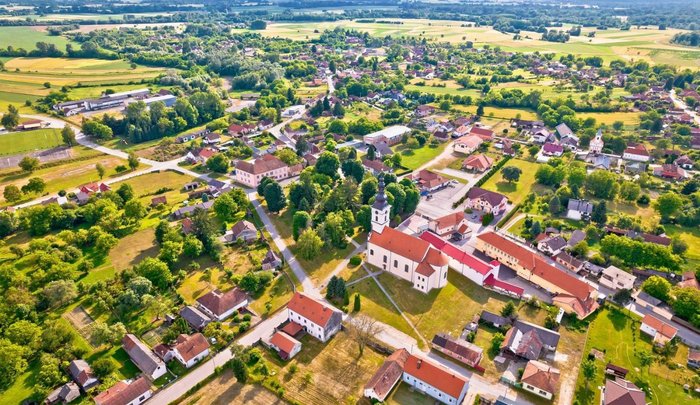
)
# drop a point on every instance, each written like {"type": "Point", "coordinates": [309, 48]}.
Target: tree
{"type": "Point", "coordinates": [678, 246]}
{"type": "Point", "coordinates": [218, 163]}
{"type": "Point", "coordinates": [496, 342]}
{"type": "Point", "coordinates": [10, 119]}
{"type": "Point", "coordinates": [622, 296]}
{"type": "Point", "coordinates": [68, 136]}
{"type": "Point", "coordinates": [100, 170]}
{"type": "Point", "coordinates": [353, 168]}
{"type": "Point", "coordinates": [555, 205]}
{"type": "Point", "coordinates": [29, 163]}
{"type": "Point", "coordinates": [108, 334]}
{"type": "Point", "coordinates": [274, 197]}
{"type": "Point", "coordinates": [657, 287]}
{"type": "Point", "coordinates": [12, 362]}
{"type": "Point", "coordinates": [34, 185]}
{"type": "Point", "coordinates": [24, 333]}
{"type": "Point", "coordinates": [258, 25]}
{"type": "Point", "coordinates": [363, 330]}
{"type": "Point", "coordinates": [602, 184]}
{"type": "Point", "coordinates": [12, 193]}
{"type": "Point", "coordinates": [133, 161]}
{"type": "Point", "coordinates": [599, 214]}
{"type": "Point", "coordinates": [134, 210]}
{"type": "Point", "coordinates": [192, 247]}
{"type": "Point", "coordinates": [309, 244]}
{"type": "Point", "coordinates": [687, 304]}
{"type": "Point", "coordinates": [328, 164]}
{"type": "Point", "coordinates": [126, 192]}
{"type": "Point", "coordinates": [508, 310]}
{"type": "Point", "coordinates": [225, 207]}
{"type": "Point", "coordinates": [103, 367]}
{"type": "Point", "coordinates": [300, 221]}
{"type": "Point", "coordinates": [356, 304]}
{"type": "Point", "coordinates": [156, 271]}
{"type": "Point", "coordinates": [668, 204]}
{"type": "Point", "coordinates": [239, 370]}
{"type": "Point", "coordinates": [629, 191]}
{"type": "Point", "coordinates": [170, 251]}
{"type": "Point", "coordinates": [511, 174]}
{"type": "Point", "coordinates": [533, 150]}
{"type": "Point", "coordinates": [589, 370]}
{"type": "Point", "coordinates": [60, 292]}
{"type": "Point", "coordinates": [646, 359]}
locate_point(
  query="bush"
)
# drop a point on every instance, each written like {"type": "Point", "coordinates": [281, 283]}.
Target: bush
{"type": "Point", "coordinates": [355, 260]}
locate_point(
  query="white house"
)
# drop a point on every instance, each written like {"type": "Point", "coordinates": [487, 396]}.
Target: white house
{"type": "Point", "coordinates": [190, 349]}
{"type": "Point", "coordinates": [318, 319]}
{"type": "Point", "coordinates": [390, 135]}
{"type": "Point", "coordinates": [579, 209]}
{"type": "Point", "coordinates": [468, 144]}
{"type": "Point", "coordinates": [552, 245]}
{"type": "Point", "coordinates": [617, 279]}
{"type": "Point", "coordinates": [293, 110]}
{"type": "Point", "coordinates": [451, 225]}
{"type": "Point", "coordinates": [434, 380]}
{"type": "Point", "coordinates": [636, 153]}
{"type": "Point", "coordinates": [540, 379]}
{"type": "Point", "coordinates": [286, 346]}
{"type": "Point", "coordinates": [486, 201]}
{"type": "Point", "coordinates": [129, 392]}
{"type": "Point", "coordinates": [220, 306]}
{"type": "Point", "coordinates": [404, 256]}
{"type": "Point", "coordinates": [659, 330]}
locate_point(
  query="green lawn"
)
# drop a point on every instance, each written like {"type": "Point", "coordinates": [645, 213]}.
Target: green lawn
{"type": "Point", "coordinates": [516, 192]}
{"type": "Point", "coordinates": [403, 395]}
{"type": "Point", "coordinates": [617, 335]}
{"type": "Point", "coordinates": [27, 37]}
{"type": "Point", "coordinates": [29, 141]}
{"type": "Point", "coordinates": [692, 238]}
{"type": "Point", "coordinates": [413, 159]}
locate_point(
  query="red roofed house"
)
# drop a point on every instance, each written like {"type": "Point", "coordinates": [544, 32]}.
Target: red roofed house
{"type": "Point", "coordinates": [250, 174]}
{"type": "Point", "coordinates": [468, 144]}
{"type": "Point", "coordinates": [477, 163]}
{"type": "Point", "coordinates": [132, 392]}
{"type": "Point", "coordinates": [453, 225]}
{"type": "Point", "coordinates": [485, 134]}
{"type": "Point", "coordinates": [318, 319]}
{"type": "Point", "coordinates": [285, 345]}
{"type": "Point", "coordinates": [405, 256]}
{"type": "Point", "coordinates": [540, 379]}
{"type": "Point", "coordinates": [670, 171]}
{"type": "Point", "coordinates": [430, 181]}
{"type": "Point", "coordinates": [571, 294]}
{"type": "Point", "coordinates": [386, 377]}
{"type": "Point", "coordinates": [461, 261]}
{"type": "Point", "coordinates": [94, 188]}
{"type": "Point", "coordinates": [486, 200]}
{"type": "Point", "coordinates": [552, 149]}
{"type": "Point", "coordinates": [659, 330]}
{"type": "Point", "coordinates": [459, 349]}
{"type": "Point", "coordinates": [200, 155]}
{"type": "Point", "coordinates": [637, 153]}
{"type": "Point", "coordinates": [220, 306]}
{"type": "Point", "coordinates": [190, 349]}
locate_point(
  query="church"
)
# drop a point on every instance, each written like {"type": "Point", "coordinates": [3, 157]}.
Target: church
{"type": "Point", "coordinates": [405, 256]}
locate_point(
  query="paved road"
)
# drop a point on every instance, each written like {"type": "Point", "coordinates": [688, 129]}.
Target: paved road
{"type": "Point", "coordinates": [276, 131]}
{"type": "Point", "coordinates": [681, 104]}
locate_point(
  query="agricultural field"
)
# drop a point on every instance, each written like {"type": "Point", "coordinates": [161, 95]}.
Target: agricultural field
{"type": "Point", "coordinates": [648, 44]}
{"type": "Point", "coordinates": [28, 141]}
{"type": "Point", "coordinates": [27, 37]}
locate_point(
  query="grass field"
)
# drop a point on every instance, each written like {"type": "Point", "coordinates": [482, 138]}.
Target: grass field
{"type": "Point", "coordinates": [692, 238]}
{"type": "Point", "coordinates": [415, 158]}
{"type": "Point", "coordinates": [28, 141]}
{"type": "Point", "coordinates": [516, 192]}
{"type": "Point", "coordinates": [618, 336]}
{"type": "Point", "coordinates": [648, 44]}
{"type": "Point", "coordinates": [27, 37]}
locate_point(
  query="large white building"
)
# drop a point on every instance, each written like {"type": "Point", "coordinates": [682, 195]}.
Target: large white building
{"type": "Point", "coordinates": [318, 319]}
{"type": "Point", "coordinates": [405, 256]}
{"type": "Point", "coordinates": [596, 144]}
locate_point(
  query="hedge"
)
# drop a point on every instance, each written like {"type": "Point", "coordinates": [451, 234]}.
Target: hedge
{"type": "Point", "coordinates": [508, 216]}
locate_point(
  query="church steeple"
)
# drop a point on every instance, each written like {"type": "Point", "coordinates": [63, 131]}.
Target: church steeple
{"type": "Point", "coordinates": [380, 209]}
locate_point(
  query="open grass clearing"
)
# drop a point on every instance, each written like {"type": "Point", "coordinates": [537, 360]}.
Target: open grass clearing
{"type": "Point", "coordinates": [27, 37]}
{"type": "Point", "coordinates": [516, 191]}
{"type": "Point", "coordinates": [415, 158]}
{"type": "Point", "coordinates": [29, 141]}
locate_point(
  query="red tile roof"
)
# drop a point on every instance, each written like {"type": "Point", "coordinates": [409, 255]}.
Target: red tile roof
{"type": "Point", "coordinates": [483, 133]}
{"type": "Point", "coordinates": [264, 164]}
{"type": "Point", "coordinates": [292, 328]}
{"type": "Point", "coordinates": [494, 282]}
{"type": "Point", "coordinates": [315, 311]}
{"type": "Point", "coordinates": [191, 346]}
{"type": "Point", "coordinates": [410, 247]}
{"type": "Point", "coordinates": [122, 393]}
{"type": "Point", "coordinates": [284, 342]}
{"type": "Point", "coordinates": [479, 161]}
{"type": "Point", "coordinates": [219, 303]}
{"type": "Point", "coordinates": [388, 374]}
{"type": "Point", "coordinates": [456, 253]}
{"type": "Point", "coordinates": [660, 326]}
{"type": "Point", "coordinates": [433, 374]}
{"type": "Point", "coordinates": [541, 376]}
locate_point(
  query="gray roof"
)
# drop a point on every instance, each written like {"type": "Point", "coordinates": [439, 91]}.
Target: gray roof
{"type": "Point", "coordinates": [492, 318]}
{"type": "Point", "coordinates": [555, 243]}
{"type": "Point", "coordinates": [65, 393]}
{"type": "Point", "coordinates": [141, 355]}
{"type": "Point", "coordinates": [190, 208]}
{"type": "Point", "coordinates": [564, 130]}
{"type": "Point", "coordinates": [548, 337]}
{"type": "Point", "coordinates": [196, 318]}
{"type": "Point", "coordinates": [580, 206]}
{"type": "Point", "coordinates": [576, 237]}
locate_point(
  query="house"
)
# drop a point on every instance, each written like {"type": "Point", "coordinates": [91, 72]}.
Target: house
{"type": "Point", "coordinates": [211, 138]}
{"type": "Point", "coordinates": [143, 357]}
{"type": "Point", "coordinates": [293, 110]}
{"type": "Point", "coordinates": [242, 230]}
{"type": "Point", "coordinates": [251, 173]}
{"type": "Point", "coordinates": [617, 279]}
{"type": "Point", "coordinates": [184, 211]}
{"type": "Point", "coordinates": [190, 186]}
{"type": "Point", "coordinates": [237, 130]}
{"type": "Point", "coordinates": [432, 379]}
{"type": "Point", "coordinates": [570, 142]}
{"type": "Point", "coordinates": [187, 226]}
{"type": "Point", "coordinates": [569, 262]}
{"type": "Point", "coordinates": [694, 359]}
{"type": "Point", "coordinates": [64, 394]}
{"type": "Point", "coordinates": [468, 144]}
{"type": "Point", "coordinates": [403, 255]}
{"type": "Point", "coordinates": [596, 144]}
{"type": "Point", "coordinates": [129, 392]}
{"type": "Point", "coordinates": [486, 201]}
{"type": "Point", "coordinates": [617, 371]}
{"type": "Point", "coordinates": [552, 149]}
{"type": "Point", "coordinates": [200, 155]}
{"type": "Point", "coordinates": [389, 135]}
{"type": "Point", "coordinates": [570, 293]}
{"type": "Point", "coordinates": [271, 261]}
{"type": "Point", "coordinates": [81, 372]}
{"type": "Point", "coordinates": [564, 131]}
{"type": "Point", "coordinates": [428, 181]}
{"type": "Point", "coordinates": [194, 317]}
{"type": "Point", "coordinates": [458, 349]}
{"type": "Point", "coordinates": [219, 306]}
{"type": "Point", "coordinates": [659, 330]}
{"type": "Point", "coordinates": [552, 245]}
{"type": "Point", "coordinates": [576, 237]}
{"type": "Point", "coordinates": [453, 225]}
{"type": "Point", "coordinates": [685, 162]}
{"type": "Point", "coordinates": [670, 171]}
{"type": "Point", "coordinates": [376, 167]}
{"type": "Point", "coordinates": [156, 201]}
{"type": "Point", "coordinates": [318, 319]}
{"type": "Point", "coordinates": [621, 392]}
{"type": "Point", "coordinates": [386, 377]}
{"type": "Point", "coordinates": [190, 349]}
{"type": "Point", "coordinates": [286, 346]}
{"type": "Point", "coordinates": [688, 280]}
{"type": "Point", "coordinates": [92, 188]}
{"type": "Point", "coordinates": [494, 320]}
{"type": "Point", "coordinates": [477, 163]}
{"type": "Point", "coordinates": [637, 153]}
{"type": "Point", "coordinates": [579, 209]}
{"type": "Point", "coordinates": [382, 149]}
{"type": "Point", "coordinates": [540, 379]}
{"type": "Point", "coordinates": [542, 135]}
{"type": "Point", "coordinates": [485, 134]}
{"type": "Point", "coordinates": [424, 110]}
{"type": "Point", "coordinates": [529, 341]}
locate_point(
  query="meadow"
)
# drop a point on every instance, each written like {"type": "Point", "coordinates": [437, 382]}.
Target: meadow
{"type": "Point", "coordinates": [27, 141]}
{"type": "Point", "coordinates": [27, 37]}
{"type": "Point", "coordinates": [648, 44]}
